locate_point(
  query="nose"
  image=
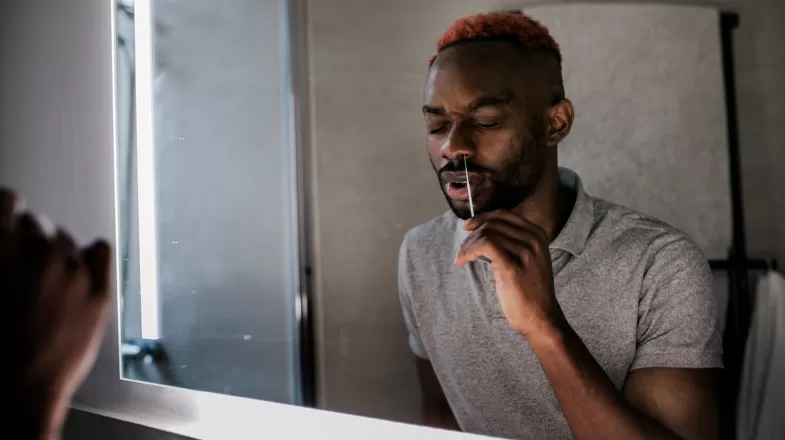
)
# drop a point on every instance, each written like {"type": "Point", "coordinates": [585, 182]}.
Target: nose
{"type": "Point", "coordinates": [458, 142]}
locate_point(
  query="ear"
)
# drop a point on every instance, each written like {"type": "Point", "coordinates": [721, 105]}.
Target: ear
{"type": "Point", "coordinates": [560, 118]}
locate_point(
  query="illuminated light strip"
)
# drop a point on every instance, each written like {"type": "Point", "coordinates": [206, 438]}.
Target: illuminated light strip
{"type": "Point", "coordinates": [145, 171]}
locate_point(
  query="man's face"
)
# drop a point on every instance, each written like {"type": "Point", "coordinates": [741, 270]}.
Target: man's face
{"type": "Point", "coordinates": [480, 106]}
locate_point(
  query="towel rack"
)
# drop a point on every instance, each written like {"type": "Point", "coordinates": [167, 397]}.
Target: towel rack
{"type": "Point", "coordinates": [750, 264]}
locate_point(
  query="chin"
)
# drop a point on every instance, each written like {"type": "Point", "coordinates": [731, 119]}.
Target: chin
{"type": "Point", "coordinates": [462, 214]}
{"type": "Point", "coordinates": [461, 211]}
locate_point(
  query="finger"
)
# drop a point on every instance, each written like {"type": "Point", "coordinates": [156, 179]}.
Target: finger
{"type": "Point", "coordinates": [491, 246]}
{"type": "Point", "coordinates": [505, 229]}
{"type": "Point", "coordinates": [507, 216]}
{"type": "Point", "coordinates": [8, 203]}
{"type": "Point", "coordinates": [80, 283]}
{"type": "Point", "coordinates": [29, 225]}
{"type": "Point", "coordinates": [516, 239]}
{"type": "Point", "coordinates": [488, 250]}
{"type": "Point", "coordinates": [10, 206]}
{"type": "Point", "coordinates": [25, 260]}
{"type": "Point", "coordinates": [508, 241]}
{"type": "Point", "coordinates": [30, 244]}
{"type": "Point", "coordinates": [56, 275]}
{"type": "Point", "coordinates": [66, 249]}
{"type": "Point", "coordinates": [499, 214]}
{"type": "Point", "coordinates": [97, 259]}
{"type": "Point", "coordinates": [529, 237]}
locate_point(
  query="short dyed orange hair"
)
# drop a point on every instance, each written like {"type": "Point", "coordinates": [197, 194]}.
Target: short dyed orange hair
{"type": "Point", "coordinates": [519, 29]}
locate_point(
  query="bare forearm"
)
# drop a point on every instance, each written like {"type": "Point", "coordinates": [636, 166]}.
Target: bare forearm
{"type": "Point", "coordinates": [436, 412]}
{"type": "Point", "coordinates": [594, 409]}
{"type": "Point", "coordinates": [439, 415]}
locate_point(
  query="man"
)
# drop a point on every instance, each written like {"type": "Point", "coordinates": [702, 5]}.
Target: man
{"type": "Point", "coordinates": [56, 300]}
{"type": "Point", "coordinates": [550, 314]}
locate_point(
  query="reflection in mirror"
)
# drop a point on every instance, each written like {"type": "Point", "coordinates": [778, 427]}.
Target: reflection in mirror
{"type": "Point", "coordinates": [521, 293]}
{"type": "Point", "coordinates": [208, 232]}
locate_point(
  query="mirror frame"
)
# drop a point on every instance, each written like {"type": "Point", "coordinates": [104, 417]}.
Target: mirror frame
{"type": "Point", "coordinates": [294, 108]}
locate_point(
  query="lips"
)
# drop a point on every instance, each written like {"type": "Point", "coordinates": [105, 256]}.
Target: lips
{"type": "Point", "coordinates": [457, 192]}
{"type": "Point", "coordinates": [456, 186]}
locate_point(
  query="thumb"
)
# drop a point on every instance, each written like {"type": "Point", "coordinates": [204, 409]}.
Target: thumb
{"type": "Point", "coordinates": [97, 258]}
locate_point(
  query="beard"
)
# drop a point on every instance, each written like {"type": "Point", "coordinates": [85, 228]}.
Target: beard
{"type": "Point", "coordinates": [505, 186]}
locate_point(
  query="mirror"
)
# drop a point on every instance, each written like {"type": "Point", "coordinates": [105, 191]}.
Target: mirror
{"type": "Point", "coordinates": [205, 145]}
{"type": "Point", "coordinates": [283, 236]}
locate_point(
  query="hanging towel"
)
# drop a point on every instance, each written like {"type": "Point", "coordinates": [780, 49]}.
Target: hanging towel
{"type": "Point", "coordinates": [761, 407]}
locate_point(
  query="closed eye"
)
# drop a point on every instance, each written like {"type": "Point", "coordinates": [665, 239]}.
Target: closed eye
{"type": "Point", "coordinates": [437, 129]}
{"type": "Point", "coordinates": [487, 125]}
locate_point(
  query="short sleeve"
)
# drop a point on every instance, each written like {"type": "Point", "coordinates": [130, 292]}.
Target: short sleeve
{"type": "Point", "coordinates": [405, 295]}
{"type": "Point", "coordinates": [678, 325]}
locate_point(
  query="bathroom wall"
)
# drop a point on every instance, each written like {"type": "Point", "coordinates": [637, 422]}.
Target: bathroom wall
{"type": "Point", "coordinates": [373, 181]}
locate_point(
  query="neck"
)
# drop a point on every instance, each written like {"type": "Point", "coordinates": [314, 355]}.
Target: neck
{"type": "Point", "coordinates": [547, 206]}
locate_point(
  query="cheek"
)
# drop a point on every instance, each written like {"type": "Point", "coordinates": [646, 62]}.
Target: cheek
{"type": "Point", "coordinates": [433, 144]}
{"type": "Point", "coordinates": [498, 145]}
{"type": "Point", "coordinates": [511, 155]}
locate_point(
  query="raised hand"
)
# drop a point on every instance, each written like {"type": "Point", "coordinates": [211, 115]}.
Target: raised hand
{"type": "Point", "coordinates": [56, 305]}
{"type": "Point", "coordinates": [521, 261]}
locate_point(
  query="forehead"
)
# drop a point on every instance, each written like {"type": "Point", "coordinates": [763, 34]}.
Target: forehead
{"type": "Point", "coordinates": [468, 71]}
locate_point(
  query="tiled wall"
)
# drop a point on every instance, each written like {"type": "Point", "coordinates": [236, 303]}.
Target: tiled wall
{"type": "Point", "coordinates": [367, 67]}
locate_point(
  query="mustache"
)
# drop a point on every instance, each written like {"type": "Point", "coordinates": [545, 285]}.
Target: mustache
{"type": "Point", "coordinates": [458, 166]}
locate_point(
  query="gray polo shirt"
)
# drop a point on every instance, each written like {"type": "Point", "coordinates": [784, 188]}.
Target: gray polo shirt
{"type": "Point", "coordinates": [638, 292]}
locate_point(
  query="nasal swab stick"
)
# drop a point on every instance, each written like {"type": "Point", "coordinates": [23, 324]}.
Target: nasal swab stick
{"type": "Point", "coordinates": [468, 186]}
{"type": "Point", "coordinates": [471, 202]}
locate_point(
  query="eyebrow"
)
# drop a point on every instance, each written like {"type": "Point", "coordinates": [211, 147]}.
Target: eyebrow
{"type": "Point", "coordinates": [502, 100]}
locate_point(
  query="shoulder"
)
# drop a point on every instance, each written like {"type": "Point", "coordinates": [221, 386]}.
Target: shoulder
{"type": "Point", "coordinates": [430, 237]}
{"type": "Point", "coordinates": [627, 230]}
{"type": "Point", "coordinates": [657, 250]}
{"type": "Point", "coordinates": [425, 247]}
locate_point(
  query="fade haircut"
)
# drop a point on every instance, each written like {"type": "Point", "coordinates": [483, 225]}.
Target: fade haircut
{"type": "Point", "coordinates": [521, 31]}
